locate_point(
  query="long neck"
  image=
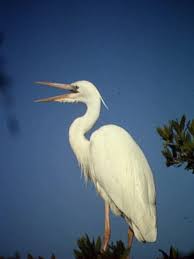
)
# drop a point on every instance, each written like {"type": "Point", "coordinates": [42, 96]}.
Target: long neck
{"type": "Point", "coordinates": [83, 124]}
{"type": "Point", "coordinates": [77, 131]}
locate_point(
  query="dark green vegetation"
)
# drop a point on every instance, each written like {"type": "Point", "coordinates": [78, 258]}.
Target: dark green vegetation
{"type": "Point", "coordinates": [178, 143]}
{"type": "Point", "coordinates": [175, 254]}
{"type": "Point", "coordinates": [91, 249]}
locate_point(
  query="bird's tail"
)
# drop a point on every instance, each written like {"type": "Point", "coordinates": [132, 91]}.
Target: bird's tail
{"type": "Point", "coordinates": [149, 234]}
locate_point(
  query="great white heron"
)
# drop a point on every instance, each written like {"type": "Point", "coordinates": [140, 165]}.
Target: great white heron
{"type": "Point", "coordinates": [114, 162]}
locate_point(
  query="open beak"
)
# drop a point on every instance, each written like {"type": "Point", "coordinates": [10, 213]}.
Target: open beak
{"type": "Point", "coordinates": [58, 98]}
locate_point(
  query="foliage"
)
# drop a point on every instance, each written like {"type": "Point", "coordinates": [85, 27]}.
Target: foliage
{"type": "Point", "coordinates": [92, 249]}
{"type": "Point", "coordinates": [175, 254]}
{"type": "Point", "coordinates": [178, 145]}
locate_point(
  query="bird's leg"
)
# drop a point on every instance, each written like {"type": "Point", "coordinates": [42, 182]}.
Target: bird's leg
{"type": "Point", "coordinates": [106, 227]}
{"type": "Point", "coordinates": [130, 240]}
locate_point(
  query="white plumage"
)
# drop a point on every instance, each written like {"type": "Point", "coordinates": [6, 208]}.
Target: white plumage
{"type": "Point", "coordinates": [113, 161]}
{"type": "Point", "coordinates": [123, 177]}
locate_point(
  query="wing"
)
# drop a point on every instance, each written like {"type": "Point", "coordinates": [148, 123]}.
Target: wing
{"type": "Point", "coordinates": [123, 177]}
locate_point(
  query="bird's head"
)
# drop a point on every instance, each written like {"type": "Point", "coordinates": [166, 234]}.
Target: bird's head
{"type": "Point", "coordinates": [79, 91]}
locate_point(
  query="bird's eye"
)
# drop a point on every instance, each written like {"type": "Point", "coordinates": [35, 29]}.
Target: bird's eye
{"type": "Point", "coordinates": [75, 89]}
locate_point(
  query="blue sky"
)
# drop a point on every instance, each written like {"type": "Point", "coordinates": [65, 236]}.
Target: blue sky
{"type": "Point", "coordinates": [140, 55]}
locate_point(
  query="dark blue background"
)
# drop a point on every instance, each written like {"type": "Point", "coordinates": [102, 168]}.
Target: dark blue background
{"type": "Point", "coordinates": [140, 54]}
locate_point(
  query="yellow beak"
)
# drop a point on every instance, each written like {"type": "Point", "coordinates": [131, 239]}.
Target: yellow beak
{"type": "Point", "coordinates": [57, 98]}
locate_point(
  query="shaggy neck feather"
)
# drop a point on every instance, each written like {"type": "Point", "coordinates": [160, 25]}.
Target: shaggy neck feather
{"type": "Point", "coordinates": [79, 143]}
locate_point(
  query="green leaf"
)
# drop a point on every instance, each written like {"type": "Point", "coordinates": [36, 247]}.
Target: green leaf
{"type": "Point", "coordinates": [178, 142]}
{"type": "Point", "coordinates": [173, 252]}
{"type": "Point", "coordinates": [182, 122]}
{"type": "Point", "coordinates": [173, 149]}
{"type": "Point", "coordinates": [175, 126]}
{"type": "Point", "coordinates": [188, 137]}
{"type": "Point", "coordinates": [191, 128]}
{"type": "Point", "coordinates": [98, 244]}
{"type": "Point", "coordinates": [167, 154]}
{"type": "Point", "coordinates": [167, 132]}
{"type": "Point", "coordinates": [165, 255]}
{"type": "Point", "coordinates": [77, 254]}
{"type": "Point", "coordinates": [162, 133]}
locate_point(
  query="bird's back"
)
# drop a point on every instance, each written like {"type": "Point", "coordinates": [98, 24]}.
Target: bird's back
{"type": "Point", "coordinates": [123, 177]}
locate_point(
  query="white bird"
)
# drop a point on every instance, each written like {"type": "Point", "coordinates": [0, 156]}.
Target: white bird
{"type": "Point", "coordinates": [114, 162]}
